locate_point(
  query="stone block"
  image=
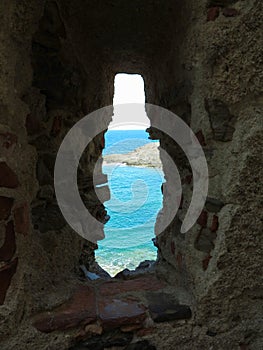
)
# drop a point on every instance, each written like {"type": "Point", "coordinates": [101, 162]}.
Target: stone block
{"type": "Point", "coordinates": [6, 204]}
{"type": "Point", "coordinates": [7, 143]}
{"type": "Point", "coordinates": [8, 249]}
{"type": "Point", "coordinates": [205, 262]}
{"type": "Point", "coordinates": [8, 178]}
{"type": "Point", "coordinates": [80, 310]}
{"type": "Point", "coordinates": [204, 241]}
{"type": "Point", "coordinates": [212, 13]}
{"type": "Point", "coordinates": [140, 345]}
{"type": "Point", "coordinates": [215, 224]}
{"type": "Point", "coordinates": [22, 218]}
{"type": "Point", "coordinates": [230, 12]}
{"type": "Point", "coordinates": [6, 274]}
{"type": "Point", "coordinates": [143, 283]}
{"type": "Point", "coordinates": [116, 312]}
{"type": "Point", "coordinates": [221, 120]}
{"type": "Point", "coordinates": [202, 220]}
{"type": "Point", "coordinates": [47, 218]}
{"type": "Point", "coordinates": [163, 308]}
{"type": "Point", "coordinates": [213, 205]}
{"type": "Point", "coordinates": [109, 340]}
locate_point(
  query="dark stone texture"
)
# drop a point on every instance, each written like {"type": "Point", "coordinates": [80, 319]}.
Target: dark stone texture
{"type": "Point", "coordinates": [205, 262]}
{"type": "Point", "coordinates": [22, 218]}
{"type": "Point", "coordinates": [107, 340]}
{"type": "Point", "coordinates": [202, 220]}
{"type": "Point", "coordinates": [7, 177]}
{"type": "Point", "coordinates": [45, 169]}
{"type": "Point", "coordinates": [163, 308]}
{"type": "Point", "coordinates": [33, 125]}
{"type": "Point", "coordinates": [141, 345]}
{"type": "Point", "coordinates": [215, 224]}
{"type": "Point", "coordinates": [6, 274]}
{"type": "Point", "coordinates": [7, 140]}
{"type": "Point", "coordinates": [144, 267]}
{"type": "Point", "coordinates": [212, 13]}
{"type": "Point", "coordinates": [57, 125]}
{"type": "Point", "coordinates": [8, 249]}
{"type": "Point", "coordinates": [213, 205]}
{"type": "Point", "coordinates": [204, 241]}
{"type": "Point", "coordinates": [230, 12]}
{"type": "Point", "coordinates": [221, 3]}
{"type": "Point", "coordinates": [6, 204]}
{"type": "Point", "coordinates": [47, 218]}
{"type": "Point", "coordinates": [211, 333]}
{"type": "Point", "coordinates": [200, 137]}
{"type": "Point", "coordinates": [221, 120]}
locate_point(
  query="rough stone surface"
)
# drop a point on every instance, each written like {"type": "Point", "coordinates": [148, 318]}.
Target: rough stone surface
{"type": "Point", "coordinates": [222, 122]}
{"type": "Point", "coordinates": [58, 60]}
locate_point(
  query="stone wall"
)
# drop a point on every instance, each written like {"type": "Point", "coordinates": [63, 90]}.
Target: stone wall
{"type": "Point", "coordinates": [201, 60]}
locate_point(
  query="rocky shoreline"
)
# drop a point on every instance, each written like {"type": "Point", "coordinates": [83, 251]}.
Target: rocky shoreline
{"type": "Point", "coordinates": [144, 156]}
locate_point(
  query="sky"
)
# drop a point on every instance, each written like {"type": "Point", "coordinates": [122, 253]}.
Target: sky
{"type": "Point", "coordinates": [129, 88]}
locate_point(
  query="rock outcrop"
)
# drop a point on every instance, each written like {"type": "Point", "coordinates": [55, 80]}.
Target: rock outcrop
{"type": "Point", "coordinates": [144, 156]}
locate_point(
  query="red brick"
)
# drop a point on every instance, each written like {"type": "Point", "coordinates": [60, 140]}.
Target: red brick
{"type": "Point", "coordinates": [230, 12]}
{"type": "Point", "coordinates": [22, 219]}
{"type": "Point", "coordinates": [212, 13]}
{"type": "Point", "coordinates": [173, 247]}
{"type": "Point", "coordinates": [79, 310]}
{"type": "Point", "coordinates": [8, 249]}
{"type": "Point", "coordinates": [115, 312]}
{"type": "Point", "coordinates": [6, 274]}
{"type": "Point", "coordinates": [7, 177]}
{"type": "Point", "coordinates": [57, 125]}
{"type": "Point", "coordinates": [202, 220]}
{"type": "Point", "coordinates": [215, 224]}
{"type": "Point", "coordinates": [6, 204]}
{"type": "Point", "coordinates": [110, 288]}
{"type": "Point", "coordinates": [206, 261]}
{"type": "Point", "coordinates": [200, 137]}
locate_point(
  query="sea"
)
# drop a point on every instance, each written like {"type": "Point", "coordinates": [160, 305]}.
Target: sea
{"type": "Point", "coordinates": [136, 199]}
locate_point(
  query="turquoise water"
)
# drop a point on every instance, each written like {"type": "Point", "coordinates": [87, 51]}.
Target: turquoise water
{"type": "Point", "coordinates": [136, 199]}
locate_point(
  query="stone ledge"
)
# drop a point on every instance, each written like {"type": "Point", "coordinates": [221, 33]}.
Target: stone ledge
{"type": "Point", "coordinates": [106, 305]}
